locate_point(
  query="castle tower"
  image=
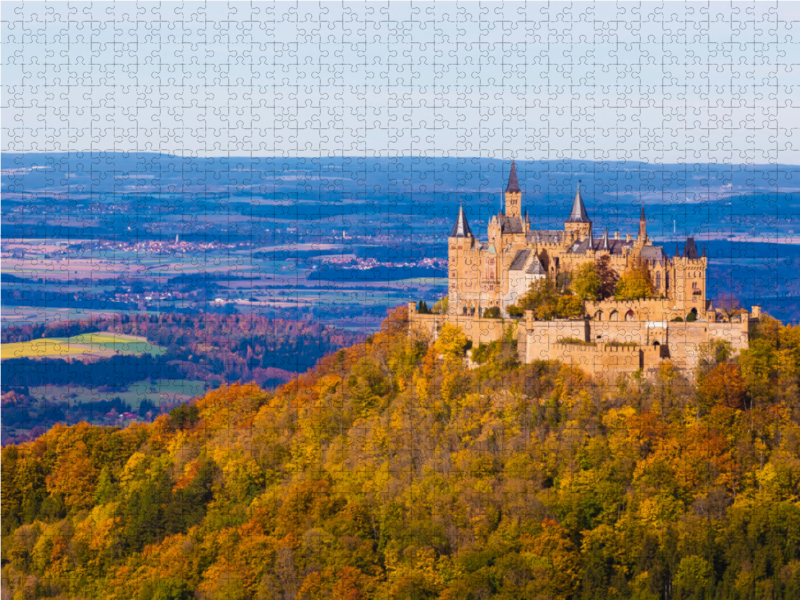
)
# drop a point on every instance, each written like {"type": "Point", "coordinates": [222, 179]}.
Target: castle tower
{"type": "Point", "coordinates": [642, 228]}
{"type": "Point", "coordinates": [579, 221]}
{"type": "Point", "coordinates": [460, 257]}
{"type": "Point", "coordinates": [513, 194]}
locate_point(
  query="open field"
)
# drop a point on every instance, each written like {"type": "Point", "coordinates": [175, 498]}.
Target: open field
{"type": "Point", "coordinates": [87, 344]}
{"type": "Point", "coordinates": [162, 391]}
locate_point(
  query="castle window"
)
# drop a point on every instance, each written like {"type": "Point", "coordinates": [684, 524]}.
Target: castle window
{"type": "Point", "coordinates": [658, 281]}
{"type": "Point", "coordinates": [666, 280]}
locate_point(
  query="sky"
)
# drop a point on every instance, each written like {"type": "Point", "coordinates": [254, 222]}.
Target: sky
{"type": "Point", "coordinates": [652, 82]}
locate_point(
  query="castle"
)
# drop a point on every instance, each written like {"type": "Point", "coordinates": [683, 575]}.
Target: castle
{"type": "Point", "coordinates": [612, 336]}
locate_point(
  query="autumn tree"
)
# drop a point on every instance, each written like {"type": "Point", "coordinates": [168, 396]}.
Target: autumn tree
{"type": "Point", "coordinates": [586, 283]}
{"type": "Point", "coordinates": [545, 302]}
{"type": "Point", "coordinates": [634, 284]}
{"type": "Point", "coordinates": [608, 277]}
{"type": "Point", "coordinates": [723, 385]}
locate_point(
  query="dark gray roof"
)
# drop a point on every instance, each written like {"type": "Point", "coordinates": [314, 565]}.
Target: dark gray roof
{"type": "Point", "coordinates": [461, 228]}
{"type": "Point", "coordinates": [519, 260]}
{"type": "Point", "coordinates": [513, 184]}
{"type": "Point", "coordinates": [535, 267]}
{"type": "Point", "coordinates": [690, 249]}
{"type": "Point", "coordinates": [510, 224]}
{"type": "Point", "coordinates": [545, 237]}
{"type": "Point", "coordinates": [652, 253]}
{"type": "Point", "coordinates": [578, 214]}
{"type": "Point", "coordinates": [614, 246]}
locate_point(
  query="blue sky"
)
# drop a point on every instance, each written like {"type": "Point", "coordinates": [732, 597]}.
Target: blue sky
{"type": "Point", "coordinates": [656, 82]}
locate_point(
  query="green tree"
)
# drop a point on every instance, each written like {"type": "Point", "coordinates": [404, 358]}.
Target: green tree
{"type": "Point", "coordinates": [586, 282]}
{"type": "Point", "coordinates": [541, 298]}
{"type": "Point", "coordinates": [514, 311]}
{"type": "Point", "coordinates": [569, 307]}
{"type": "Point", "coordinates": [493, 312]}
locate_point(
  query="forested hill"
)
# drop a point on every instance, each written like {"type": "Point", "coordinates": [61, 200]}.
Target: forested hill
{"type": "Point", "coordinates": [392, 471]}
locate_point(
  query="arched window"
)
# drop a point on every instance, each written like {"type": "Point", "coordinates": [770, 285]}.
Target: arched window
{"type": "Point", "coordinates": [614, 316]}
{"type": "Point", "coordinates": [629, 315]}
{"type": "Point", "coordinates": [658, 281]}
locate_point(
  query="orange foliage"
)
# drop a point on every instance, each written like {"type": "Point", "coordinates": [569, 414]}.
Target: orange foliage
{"type": "Point", "coordinates": [724, 385]}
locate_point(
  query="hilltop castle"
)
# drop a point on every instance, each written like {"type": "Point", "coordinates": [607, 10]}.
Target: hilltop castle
{"type": "Point", "coordinates": [613, 336]}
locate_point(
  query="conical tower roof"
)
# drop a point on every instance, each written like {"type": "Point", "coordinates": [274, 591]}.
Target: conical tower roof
{"type": "Point", "coordinates": [578, 214]}
{"type": "Point", "coordinates": [605, 245]}
{"type": "Point", "coordinates": [690, 249]}
{"type": "Point", "coordinates": [461, 228]}
{"type": "Point", "coordinates": [513, 184]}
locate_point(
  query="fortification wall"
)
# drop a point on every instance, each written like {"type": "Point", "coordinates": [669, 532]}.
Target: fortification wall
{"type": "Point", "coordinates": [685, 339]}
{"type": "Point", "coordinates": [655, 341]}
{"type": "Point", "coordinates": [608, 362]}
{"type": "Point", "coordinates": [679, 342]}
{"type": "Point", "coordinates": [478, 330]}
{"type": "Point", "coordinates": [536, 339]}
{"type": "Point", "coordinates": [648, 309]}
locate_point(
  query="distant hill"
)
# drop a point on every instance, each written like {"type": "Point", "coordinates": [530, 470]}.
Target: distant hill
{"type": "Point", "coordinates": [391, 470]}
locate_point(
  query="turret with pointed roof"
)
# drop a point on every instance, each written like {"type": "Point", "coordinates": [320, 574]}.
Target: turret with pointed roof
{"type": "Point", "coordinates": [690, 249]}
{"type": "Point", "coordinates": [578, 220]}
{"type": "Point", "coordinates": [642, 228]}
{"type": "Point", "coordinates": [461, 228]}
{"type": "Point", "coordinates": [513, 194]}
{"type": "Point", "coordinates": [513, 183]}
{"type": "Point", "coordinates": [604, 245]}
{"type": "Point", "coordinates": [578, 214]}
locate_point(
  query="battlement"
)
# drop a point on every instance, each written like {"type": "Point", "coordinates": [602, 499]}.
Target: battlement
{"type": "Point", "coordinates": [479, 330]}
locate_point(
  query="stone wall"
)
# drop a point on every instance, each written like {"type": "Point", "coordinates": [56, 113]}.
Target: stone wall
{"type": "Point", "coordinates": [648, 309]}
{"type": "Point", "coordinates": [477, 330]}
{"type": "Point", "coordinates": [608, 361]}
{"type": "Point", "coordinates": [655, 341]}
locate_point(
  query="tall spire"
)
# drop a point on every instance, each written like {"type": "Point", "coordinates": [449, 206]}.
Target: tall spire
{"type": "Point", "coordinates": [461, 228]}
{"type": "Point", "coordinates": [513, 184]}
{"type": "Point", "coordinates": [578, 214]}
{"type": "Point", "coordinates": [605, 245]}
{"type": "Point", "coordinates": [642, 226]}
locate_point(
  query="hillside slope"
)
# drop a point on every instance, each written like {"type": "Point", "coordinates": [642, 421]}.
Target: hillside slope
{"type": "Point", "coordinates": [391, 471]}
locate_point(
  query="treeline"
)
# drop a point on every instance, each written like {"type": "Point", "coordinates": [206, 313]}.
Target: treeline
{"type": "Point", "coordinates": [18, 413]}
{"type": "Point", "coordinates": [393, 471]}
{"type": "Point", "coordinates": [113, 372]}
{"type": "Point", "coordinates": [212, 347]}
